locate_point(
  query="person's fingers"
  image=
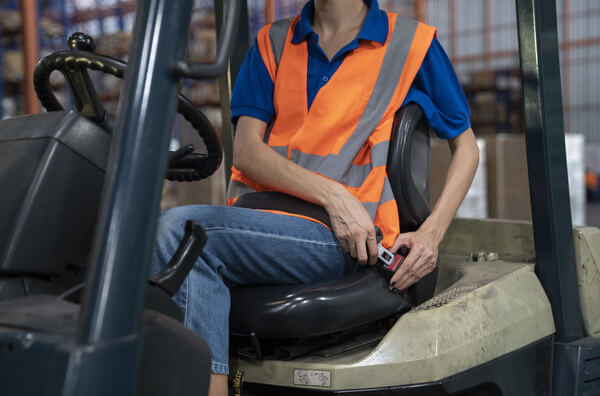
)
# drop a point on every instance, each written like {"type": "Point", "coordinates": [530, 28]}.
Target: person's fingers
{"type": "Point", "coordinates": [359, 236]}
{"type": "Point", "coordinates": [343, 241]}
{"type": "Point", "coordinates": [408, 278]}
{"type": "Point", "coordinates": [339, 237]}
{"type": "Point", "coordinates": [361, 252]}
{"type": "Point", "coordinates": [419, 262]}
{"type": "Point", "coordinates": [402, 240]}
{"type": "Point", "coordinates": [405, 268]}
{"type": "Point", "coordinates": [423, 266]}
{"type": "Point", "coordinates": [372, 249]}
{"type": "Point", "coordinates": [425, 270]}
{"type": "Point", "coordinates": [411, 280]}
{"type": "Point", "coordinates": [405, 281]}
{"type": "Point", "coordinates": [341, 230]}
{"type": "Point", "coordinates": [352, 247]}
{"type": "Point", "coordinates": [351, 224]}
{"type": "Point", "coordinates": [427, 262]}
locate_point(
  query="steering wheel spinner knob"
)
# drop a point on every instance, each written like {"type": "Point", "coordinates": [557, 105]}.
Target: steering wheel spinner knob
{"type": "Point", "coordinates": [81, 42]}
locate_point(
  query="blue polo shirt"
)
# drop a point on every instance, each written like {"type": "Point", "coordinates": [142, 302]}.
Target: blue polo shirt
{"type": "Point", "coordinates": [435, 88]}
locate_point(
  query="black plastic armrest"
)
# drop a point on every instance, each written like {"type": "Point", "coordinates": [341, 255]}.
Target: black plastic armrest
{"type": "Point", "coordinates": [172, 276]}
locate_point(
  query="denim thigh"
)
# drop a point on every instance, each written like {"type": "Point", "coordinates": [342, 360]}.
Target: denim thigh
{"type": "Point", "coordinates": [244, 247]}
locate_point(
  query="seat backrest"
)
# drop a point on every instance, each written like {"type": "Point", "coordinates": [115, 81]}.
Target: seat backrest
{"type": "Point", "coordinates": [408, 172]}
{"type": "Point", "coordinates": [408, 166]}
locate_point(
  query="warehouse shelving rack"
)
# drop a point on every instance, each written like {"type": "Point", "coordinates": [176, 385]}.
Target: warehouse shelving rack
{"type": "Point", "coordinates": [5, 35]}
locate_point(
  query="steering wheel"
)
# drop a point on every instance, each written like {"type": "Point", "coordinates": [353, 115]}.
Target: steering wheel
{"type": "Point", "coordinates": [184, 165]}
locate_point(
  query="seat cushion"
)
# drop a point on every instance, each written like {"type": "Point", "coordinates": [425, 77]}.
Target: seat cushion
{"type": "Point", "coordinates": [292, 311]}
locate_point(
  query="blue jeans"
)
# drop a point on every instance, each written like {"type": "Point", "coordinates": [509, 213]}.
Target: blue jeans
{"type": "Point", "coordinates": [244, 247]}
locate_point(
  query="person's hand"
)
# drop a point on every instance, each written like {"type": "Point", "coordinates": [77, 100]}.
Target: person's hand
{"type": "Point", "coordinates": [420, 261]}
{"type": "Point", "coordinates": [352, 226]}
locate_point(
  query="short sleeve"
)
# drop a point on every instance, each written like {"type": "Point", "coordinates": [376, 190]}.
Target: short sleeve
{"type": "Point", "coordinates": [437, 90]}
{"type": "Point", "coordinates": [253, 91]}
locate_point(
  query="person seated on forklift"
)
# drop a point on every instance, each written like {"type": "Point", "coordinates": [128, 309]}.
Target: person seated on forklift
{"type": "Point", "coordinates": [305, 126]}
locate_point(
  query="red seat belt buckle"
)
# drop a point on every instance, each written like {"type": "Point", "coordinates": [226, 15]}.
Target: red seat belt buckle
{"type": "Point", "coordinates": [391, 262]}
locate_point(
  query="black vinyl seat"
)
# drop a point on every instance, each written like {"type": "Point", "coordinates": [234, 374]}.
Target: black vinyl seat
{"type": "Point", "coordinates": [296, 311]}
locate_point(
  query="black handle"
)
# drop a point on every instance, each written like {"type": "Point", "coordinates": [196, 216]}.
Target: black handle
{"type": "Point", "coordinates": [180, 153]}
{"type": "Point", "coordinates": [225, 48]}
{"type": "Point", "coordinates": [191, 166]}
{"type": "Point", "coordinates": [72, 63]}
{"type": "Point", "coordinates": [172, 276]}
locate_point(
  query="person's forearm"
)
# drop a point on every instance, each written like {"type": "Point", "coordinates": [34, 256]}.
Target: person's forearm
{"type": "Point", "coordinates": [465, 158]}
{"type": "Point", "coordinates": [350, 221]}
{"type": "Point", "coordinates": [262, 164]}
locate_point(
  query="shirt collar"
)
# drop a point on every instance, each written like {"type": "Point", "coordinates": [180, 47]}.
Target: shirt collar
{"type": "Point", "coordinates": [375, 26]}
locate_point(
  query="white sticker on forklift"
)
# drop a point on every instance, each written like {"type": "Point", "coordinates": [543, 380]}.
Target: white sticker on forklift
{"type": "Point", "coordinates": [319, 378]}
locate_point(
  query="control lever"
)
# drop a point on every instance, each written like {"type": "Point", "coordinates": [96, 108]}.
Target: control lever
{"type": "Point", "coordinates": [185, 165]}
{"type": "Point", "coordinates": [170, 278]}
{"type": "Point", "coordinates": [180, 153]}
{"type": "Point", "coordinates": [388, 261]}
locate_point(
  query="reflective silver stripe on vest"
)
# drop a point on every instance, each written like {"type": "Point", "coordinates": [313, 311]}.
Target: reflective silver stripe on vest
{"type": "Point", "coordinates": [386, 195]}
{"type": "Point", "coordinates": [337, 166]}
{"type": "Point", "coordinates": [237, 189]}
{"type": "Point", "coordinates": [281, 150]}
{"type": "Point", "coordinates": [277, 34]}
{"type": "Point", "coordinates": [354, 176]}
{"type": "Point", "coordinates": [371, 208]}
{"type": "Point", "coordinates": [387, 82]}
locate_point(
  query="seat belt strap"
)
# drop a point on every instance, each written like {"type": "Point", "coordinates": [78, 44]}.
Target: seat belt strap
{"type": "Point", "coordinates": [281, 202]}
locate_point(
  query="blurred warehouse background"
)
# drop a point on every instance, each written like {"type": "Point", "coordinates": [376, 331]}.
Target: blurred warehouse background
{"type": "Point", "coordinates": [480, 37]}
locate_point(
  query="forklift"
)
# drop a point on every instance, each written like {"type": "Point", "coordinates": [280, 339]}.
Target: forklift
{"type": "Point", "coordinates": [512, 308]}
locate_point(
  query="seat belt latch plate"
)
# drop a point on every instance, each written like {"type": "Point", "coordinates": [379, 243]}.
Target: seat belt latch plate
{"type": "Point", "coordinates": [391, 262]}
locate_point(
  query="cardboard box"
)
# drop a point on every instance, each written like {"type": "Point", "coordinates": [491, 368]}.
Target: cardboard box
{"type": "Point", "coordinates": [508, 187]}
{"type": "Point", "coordinates": [12, 66]}
{"type": "Point", "coordinates": [509, 181]}
{"type": "Point", "coordinates": [503, 161]}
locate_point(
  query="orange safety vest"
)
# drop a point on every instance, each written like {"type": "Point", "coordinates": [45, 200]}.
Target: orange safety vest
{"type": "Point", "coordinates": [345, 135]}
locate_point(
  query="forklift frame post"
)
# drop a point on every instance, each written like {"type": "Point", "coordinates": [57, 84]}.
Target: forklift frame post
{"type": "Point", "coordinates": [116, 282]}
{"type": "Point", "coordinates": [546, 162]}
{"type": "Point", "coordinates": [227, 81]}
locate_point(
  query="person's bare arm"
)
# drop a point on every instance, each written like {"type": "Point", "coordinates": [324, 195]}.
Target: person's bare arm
{"type": "Point", "coordinates": [424, 242]}
{"type": "Point", "coordinates": [351, 223]}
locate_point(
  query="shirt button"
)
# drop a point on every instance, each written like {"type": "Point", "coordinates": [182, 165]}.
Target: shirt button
{"type": "Point", "coordinates": [325, 79]}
